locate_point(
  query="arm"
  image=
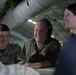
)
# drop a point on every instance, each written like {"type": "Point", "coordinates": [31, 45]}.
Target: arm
{"type": "Point", "coordinates": [38, 65]}
{"type": "Point", "coordinates": [20, 58]}
{"type": "Point", "coordinates": [53, 52]}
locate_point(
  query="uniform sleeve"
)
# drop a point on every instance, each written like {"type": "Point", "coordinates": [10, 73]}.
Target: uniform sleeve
{"type": "Point", "coordinates": [20, 58]}
{"type": "Point", "coordinates": [52, 52]}
{"type": "Point", "coordinates": [26, 51]}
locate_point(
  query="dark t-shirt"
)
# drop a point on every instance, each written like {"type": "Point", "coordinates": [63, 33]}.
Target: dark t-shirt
{"type": "Point", "coordinates": [67, 60]}
{"type": "Point", "coordinates": [2, 50]}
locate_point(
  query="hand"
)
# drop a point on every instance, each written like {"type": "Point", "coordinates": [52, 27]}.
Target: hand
{"type": "Point", "coordinates": [25, 64]}
{"type": "Point", "coordinates": [33, 65]}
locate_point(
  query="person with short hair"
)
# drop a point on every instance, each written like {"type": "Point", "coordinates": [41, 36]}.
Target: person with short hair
{"type": "Point", "coordinates": [9, 53]}
{"type": "Point", "coordinates": [42, 51]}
{"type": "Point", "coordinates": [67, 59]}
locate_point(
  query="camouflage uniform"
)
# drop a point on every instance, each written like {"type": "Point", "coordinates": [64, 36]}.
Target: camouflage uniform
{"type": "Point", "coordinates": [12, 54]}
{"type": "Point", "coordinates": [47, 51]}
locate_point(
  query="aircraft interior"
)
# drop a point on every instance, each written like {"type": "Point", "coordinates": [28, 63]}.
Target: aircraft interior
{"type": "Point", "coordinates": [22, 15]}
{"type": "Point", "coordinates": [22, 22]}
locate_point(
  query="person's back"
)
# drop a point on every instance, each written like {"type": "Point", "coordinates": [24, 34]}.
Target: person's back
{"type": "Point", "coordinates": [67, 59]}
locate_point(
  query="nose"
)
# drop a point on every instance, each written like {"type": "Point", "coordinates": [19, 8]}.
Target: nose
{"type": "Point", "coordinates": [65, 18]}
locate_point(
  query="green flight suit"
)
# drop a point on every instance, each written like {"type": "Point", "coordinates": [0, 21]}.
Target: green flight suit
{"type": "Point", "coordinates": [39, 53]}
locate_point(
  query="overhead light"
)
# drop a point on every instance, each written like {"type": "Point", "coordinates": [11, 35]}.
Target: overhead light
{"type": "Point", "coordinates": [29, 20]}
{"type": "Point", "coordinates": [34, 22]}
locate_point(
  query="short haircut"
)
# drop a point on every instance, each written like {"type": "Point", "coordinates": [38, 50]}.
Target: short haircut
{"type": "Point", "coordinates": [4, 27]}
{"type": "Point", "coordinates": [72, 8]}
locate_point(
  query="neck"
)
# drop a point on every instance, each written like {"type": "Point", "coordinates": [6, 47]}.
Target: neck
{"type": "Point", "coordinates": [42, 42]}
{"type": "Point", "coordinates": [38, 43]}
{"type": "Point", "coordinates": [73, 31]}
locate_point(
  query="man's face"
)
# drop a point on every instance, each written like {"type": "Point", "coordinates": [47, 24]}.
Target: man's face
{"type": "Point", "coordinates": [40, 32]}
{"type": "Point", "coordinates": [4, 39]}
{"type": "Point", "coordinates": [70, 19]}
